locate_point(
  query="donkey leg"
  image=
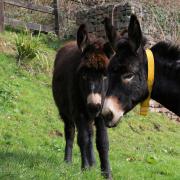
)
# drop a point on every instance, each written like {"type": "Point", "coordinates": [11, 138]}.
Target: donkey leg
{"type": "Point", "coordinates": [69, 130]}
{"type": "Point", "coordinates": [90, 149]}
{"type": "Point", "coordinates": [102, 144]}
{"type": "Point", "coordinates": [83, 141]}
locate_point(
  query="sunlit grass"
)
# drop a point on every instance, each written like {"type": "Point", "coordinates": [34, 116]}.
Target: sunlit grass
{"type": "Point", "coordinates": [30, 147]}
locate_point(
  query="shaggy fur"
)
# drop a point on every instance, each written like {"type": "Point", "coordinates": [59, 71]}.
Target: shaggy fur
{"type": "Point", "coordinates": [80, 71]}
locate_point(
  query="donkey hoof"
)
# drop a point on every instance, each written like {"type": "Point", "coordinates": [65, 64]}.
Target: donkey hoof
{"type": "Point", "coordinates": [107, 176]}
{"type": "Point", "coordinates": [68, 161]}
{"type": "Point", "coordinates": [85, 167]}
{"type": "Point", "coordinates": [92, 164]}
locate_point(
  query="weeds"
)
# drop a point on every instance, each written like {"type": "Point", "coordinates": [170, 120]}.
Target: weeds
{"type": "Point", "coordinates": [26, 46]}
{"type": "Point", "coordinates": [51, 40]}
{"type": "Point", "coordinates": [41, 64]}
{"type": "Point", "coordinates": [29, 54]}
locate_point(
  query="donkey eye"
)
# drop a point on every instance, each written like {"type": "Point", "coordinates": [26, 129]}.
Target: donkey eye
{"type": "Point", "coordinates": [127, 77]}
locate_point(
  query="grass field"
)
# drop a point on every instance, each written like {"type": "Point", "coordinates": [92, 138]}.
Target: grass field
{"type": "Point", "coordinates": [32, 142]}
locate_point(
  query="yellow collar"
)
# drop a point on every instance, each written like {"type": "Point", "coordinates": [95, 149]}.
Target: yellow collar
{"type": "Point", "coordinates": [145, 104]}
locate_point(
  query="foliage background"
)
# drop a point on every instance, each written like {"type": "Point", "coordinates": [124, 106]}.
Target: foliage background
{"type": "Point", "coordinates": [166, 11]}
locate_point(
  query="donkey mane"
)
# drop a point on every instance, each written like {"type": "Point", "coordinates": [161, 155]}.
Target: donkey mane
{"type": "Point", "coordinates": [168, 54]}
{"type": "Point", "coordinates": [98, 59]}
{"type": "Point", "coordinates": [167, 50]}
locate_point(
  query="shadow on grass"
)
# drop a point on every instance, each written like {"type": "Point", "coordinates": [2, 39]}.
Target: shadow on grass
{"type": "Point", "coordinates": [7, 55]}
{"type": "Point", "coordinates": [14, 163]}
{"type": "Point", "coordinates": [32, 165]}
{"type": "Point", "coordinates": [29, 158]}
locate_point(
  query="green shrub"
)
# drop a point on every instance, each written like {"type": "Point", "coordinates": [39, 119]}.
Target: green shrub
{"type": "Point", "coordinates": [51, 40]}
{"type": "Point", "coordinates": [27, 46]}
{"type": "Point", "coordinates": [41, 64]}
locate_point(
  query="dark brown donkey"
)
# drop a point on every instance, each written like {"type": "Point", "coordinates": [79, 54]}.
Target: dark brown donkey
{"type": "Point", "coordinates": [79, 86]}
{"type": "Point", "coordinates": [127, 73]}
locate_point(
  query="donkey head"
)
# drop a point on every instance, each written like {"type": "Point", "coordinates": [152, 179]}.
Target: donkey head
{"type": "Point", "coordinates": [127, 72]}
{"type": "Point", "coordinates": [92, 71]}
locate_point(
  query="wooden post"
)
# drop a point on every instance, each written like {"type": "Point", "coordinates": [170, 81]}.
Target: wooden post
{"type": "Point", "coordinates": [1, 15]}
{"type": "Point", "coordinates": [57, 16]}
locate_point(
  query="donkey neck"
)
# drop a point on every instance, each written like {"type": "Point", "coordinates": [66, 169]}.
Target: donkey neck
{"type": "Point", "coordinates": [166, 88]}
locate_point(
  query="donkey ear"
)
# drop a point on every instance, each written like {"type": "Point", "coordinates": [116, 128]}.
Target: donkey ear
{"type": "Point", "coordinates": [110, 31]}
{"type": "Point", "coordinates": [108, 50]}
{"type": "Point", "coordinates": [82, 37]}
{"type": "Point", "coordinates": [134, 33]}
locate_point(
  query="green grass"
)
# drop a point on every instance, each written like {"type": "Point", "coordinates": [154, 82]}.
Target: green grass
{"type": "Point", "coordinates": [140, 147]}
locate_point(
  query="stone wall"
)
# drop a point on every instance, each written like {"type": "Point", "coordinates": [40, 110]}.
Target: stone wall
{"type": "Point", "coordinates": [157, 24]}
{"type": "Point", "coordinates": [121, 12]}
{"type": "Point", "coordinates": [94, 17]}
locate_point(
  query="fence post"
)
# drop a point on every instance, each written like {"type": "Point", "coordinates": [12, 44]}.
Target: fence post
{"type": "Point", "coordinates": [1, 15]}
{"type": "Point", "coordinates": [57, 16]}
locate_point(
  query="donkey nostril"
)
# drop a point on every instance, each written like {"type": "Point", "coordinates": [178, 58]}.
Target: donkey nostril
{"type": "Point", "coordinates": [98, 107]}
{"type": "Point", "coordinates": [109, 116]}
{"type": "Point", "coordinates": [94, 108]}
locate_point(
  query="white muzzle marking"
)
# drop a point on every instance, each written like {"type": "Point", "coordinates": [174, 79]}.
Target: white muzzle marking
{"type": "Point", "coordinates": [94, 98]}
{"type": "Point", "coordinates": [111, 104]}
